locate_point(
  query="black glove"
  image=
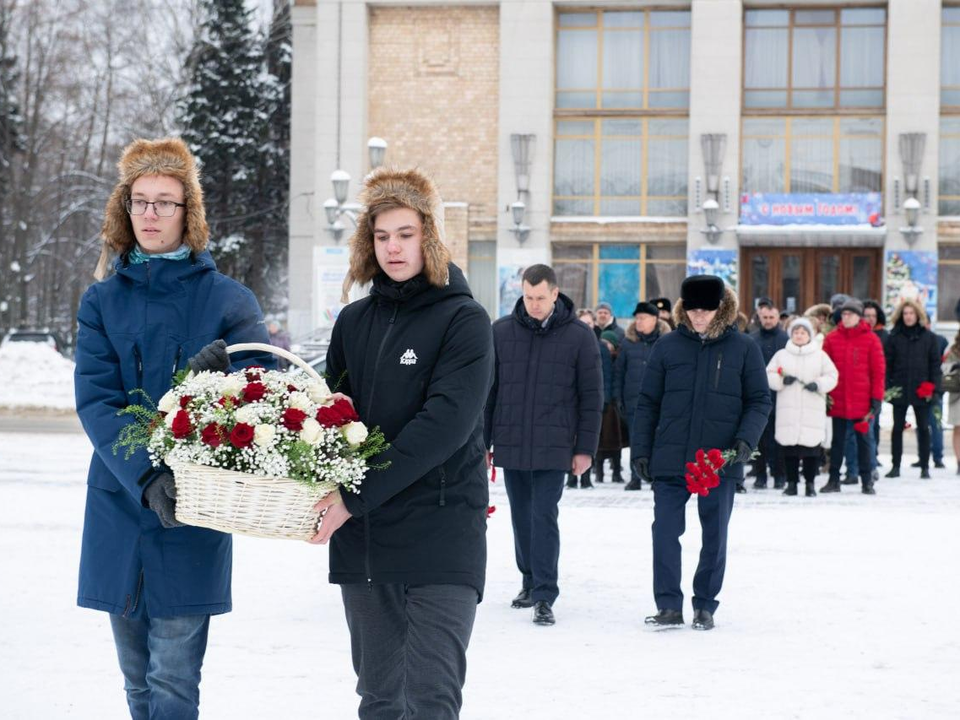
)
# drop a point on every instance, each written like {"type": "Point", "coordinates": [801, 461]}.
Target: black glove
{"type": "Point", "coordinates": [211, 357]}
{"type": "Point", "coordinates": [875, 406]}
{"type": "Point", "coordinates": [811, 386]}
{"type": "Point", "coordinates": [744, 452]}
{"type": "Point", "coordinates": [641, 466]}
{"type": "Point", "coordinates": [161, 497]}
{"type": "Point", "coordinates": [789, 379]}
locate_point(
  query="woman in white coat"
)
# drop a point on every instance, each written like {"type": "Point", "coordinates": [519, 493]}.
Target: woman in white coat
{"type": "Point", "coordinates": [802, 375]}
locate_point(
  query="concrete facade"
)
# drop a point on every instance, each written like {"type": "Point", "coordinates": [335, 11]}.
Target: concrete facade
{"type": "Point", "coordinates": [446, 84]}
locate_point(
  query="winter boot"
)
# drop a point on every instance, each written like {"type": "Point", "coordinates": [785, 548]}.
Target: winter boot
{"type": "Point", "coordinates": [665, 619]}
{"type": "Point", "coordinates": [791, 488]}
{"type": "Point", "coordinates": [572, 481]}
{"type": "Point", "coordinates": [543, 613]}
{"type": "Point", "coordinates": [702, 620]}
{"type": "Point", "coordinates": [915, 464]}
{"type": "Point", "coordinates": [938, 464]}
{"type": "Point", "coordinates": [617, 471]}
{"type": "Point", "coordinates": [585, 480]}
{"type": "Point", "coordinates": [924, 474]}
{"type": "Point", "coordinates": [831, 486]}
{"type": "Point", "coordinates": [894, 472]}
{"type": "Point", "coordinates": [867, 483]}
{"type": "Point", "coordinates": [524, 599]}
{"type": "Point", "coordinates": [850, 480]}
{"type": "Point", "coordinates": [779, 483]}
{"type": "Point", "coordinates": [760, 483]}
{"type": "Point", "coordinates": [742, 489]}
{"type": "Point", "coordinates": [598, 471]}
{"type": "Point", "coordinates": [810, 491]}
{"type": "Point", "coordinates": [634, 484]}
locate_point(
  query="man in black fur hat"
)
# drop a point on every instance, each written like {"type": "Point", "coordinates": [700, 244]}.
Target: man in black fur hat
{"type": "Point", "coordinates": [705, 386]}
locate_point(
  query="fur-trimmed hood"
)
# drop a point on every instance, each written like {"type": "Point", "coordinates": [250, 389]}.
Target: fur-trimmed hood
{"type": "Point", "coordinates": [725, 317]}
{"type": "Point", "coordinates": [387, 188]}
{"type": "Point", "coordinates": [632, 335]}
{"type": "Point", "coordinates": [167, 156]}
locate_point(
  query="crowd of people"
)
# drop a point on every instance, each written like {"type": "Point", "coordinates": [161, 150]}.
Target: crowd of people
{"type": "Point", "coordinates": [829, 372]}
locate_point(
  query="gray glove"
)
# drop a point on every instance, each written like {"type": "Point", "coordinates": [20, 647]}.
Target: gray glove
{"type": "Point", "coordinates": [212, 357]}
{"type": "Point", "coordinates": [161, 497]}
{"type": "Point", "coordinates": [744, 452]}
{"type": "Point", "coordinates": [641, 466]}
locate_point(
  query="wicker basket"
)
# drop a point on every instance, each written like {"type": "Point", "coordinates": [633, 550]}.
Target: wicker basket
{"type": "Point", "coordinates": [237, 502]}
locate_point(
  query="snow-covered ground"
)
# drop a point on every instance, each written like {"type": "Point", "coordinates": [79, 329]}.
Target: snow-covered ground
{"type": "Point", "coordinates": [833, 607]}
{"type": "Point", "coordinates": [35, 376]}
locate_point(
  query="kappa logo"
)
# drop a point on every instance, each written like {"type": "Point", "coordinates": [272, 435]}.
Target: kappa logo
{"type": "Point", "coordinates": [408, 358]}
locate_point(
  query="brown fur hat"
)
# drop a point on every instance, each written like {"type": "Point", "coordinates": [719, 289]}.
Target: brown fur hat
{"type": "Point", "coordinates": [921, 312]}
{"type": "Point", "coordinates": [168, 156]}
{"type": "Point", "coordinates": [388, 188]}
{"type": "Point", "coordinates": [725, 317]}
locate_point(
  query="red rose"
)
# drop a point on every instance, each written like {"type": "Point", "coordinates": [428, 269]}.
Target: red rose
{"type": "Point", "coordinates": [491, 510]}
{"type": "Point", "coordinates": [254, 391]}
{"type": "Point", "coordinates": [346, 411]}
{"type": "Point", "coordinates": [862, 427]}
{"type": "Point", "coordinates": [181, 425]}
{"type": "Point", "coordinates": [337, 415]}
{"type": "Point", "coordinates": [925, 390]}
{"type": "Point", "coordinates": [293, 419]}
{"type": "Point", "coordinates": [212, 435]}
{"type": "Point", "coordinates": [242, 435]}
{"type": "Point", "coordinates": [185, 400]}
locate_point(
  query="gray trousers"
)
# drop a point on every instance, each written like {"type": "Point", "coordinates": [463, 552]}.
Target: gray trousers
{"type": "Point", "coordinates": [409, 646]}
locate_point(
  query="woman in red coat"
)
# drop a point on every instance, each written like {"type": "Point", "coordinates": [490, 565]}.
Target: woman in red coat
{"type": "Point", "coordinates": [858, 354]}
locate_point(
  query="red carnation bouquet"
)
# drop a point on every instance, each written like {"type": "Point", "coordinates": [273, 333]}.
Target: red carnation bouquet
{"type": "Point", "coordinates": [704, 474]}
{"type": "Point", "coordinates": [925, 390]}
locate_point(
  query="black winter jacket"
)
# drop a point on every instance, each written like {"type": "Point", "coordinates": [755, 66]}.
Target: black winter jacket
{"type": "Point", "coordinates": [913, 356]}
{"type": "Point", "coordinates": [631, 362]}
{"type": "Point", "coordinates": [700, 393]}
{"type": "Point", "coordinates": [547, 396]}
{"type": "Point", "coordinates": [770, 342]}
{"type": "Point", "coordinates": [418, 362]}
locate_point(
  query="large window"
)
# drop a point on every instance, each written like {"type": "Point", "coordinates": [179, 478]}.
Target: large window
{"type": "Point", "coordinates": [620, 166]}
{"type": "Point", "coordinates": [612, 59]}
{"type": "Point", "coordinates": [620, 274]}
{"type": "Point", "coordinates": [622, 96]}
{"type": "Point", "coordinates": [812, 154]}
{"type": "Point", "coordinates": [950, 59]}
{"type": "Point", "coordinates": [482, 270]}
{"type": "Point", "coordinates": [948, 283]}
{"type": "Point", "coordinates": [816, 58]}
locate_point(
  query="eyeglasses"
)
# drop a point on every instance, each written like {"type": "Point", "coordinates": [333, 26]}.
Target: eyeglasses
{"type": "Point", "coordinates": [163, 208]}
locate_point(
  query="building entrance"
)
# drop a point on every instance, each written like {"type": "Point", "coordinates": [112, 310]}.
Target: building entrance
{"type": "Point", "coordinates": [796, 278]}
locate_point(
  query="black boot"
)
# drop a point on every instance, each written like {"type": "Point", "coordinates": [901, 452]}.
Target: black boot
{"type": "Point", "coordinates": [894, 472]}
{"type": "Point", "coordinates": [760, 483]}
{"type": "Point", "coordinates": [543, 613]}
{"type": "Point", "coordinates": [740, 487]}
{"type": "Point", "coordinates": [665, 619]}
{"type": "Point", "coordinates": [598, 471]}
{"type": "Point", "coordinates": [938, 464]}
{"type": "Point", "coordinates": [867, 482]}
{"type": "Point", "coordinates": [831, 486]}
{"type": "Point", "coordinates": [791, 488]}
{"type": "Point", "coordinates": [524, 599]}
{"type": "Point", "coordinates": [924, 474]}
{"type": "Point", "coordinates": [572, 481]}
{"type": "Point", "coordinates": [810, 491]}
{"type": "Point", "coordinates": [702, 620]}
{"type": "Point", "coordinates": [850, 480]}
{"type": "Point", "coordinates": [585, 480]}
{"type": "Point", "coordinates": [634, 484]}
{"type": "Point", "coordinates": [779, 483]}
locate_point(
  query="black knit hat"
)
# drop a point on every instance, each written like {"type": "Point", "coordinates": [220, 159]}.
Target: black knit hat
{"type": "Point", "coordinates": [662, 303]}
{"type": "Point", "coordinates": [646, 308]}
{"type": "Point", "coordinates": [701, 292]}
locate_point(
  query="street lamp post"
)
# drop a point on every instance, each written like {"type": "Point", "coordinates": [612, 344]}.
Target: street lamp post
{"type": "Point", "coordinates": [337, 207]}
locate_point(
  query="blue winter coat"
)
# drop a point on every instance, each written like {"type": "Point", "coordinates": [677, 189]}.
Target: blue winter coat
{"type": "Point", "coordinates": [606, 368]}
{"type": "Point", "coordinates": [547, 396]}
{"type": "Point", "coordinates": [135, 330]}
{"type": "Point", "coordinates": [631, 362]}
{"type": "Point", "coordinates": [700, 393]}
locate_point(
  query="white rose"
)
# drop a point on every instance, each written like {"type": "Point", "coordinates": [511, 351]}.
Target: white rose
{"type": "Point", "coordinates": [246, 415]}
{"type": "Point", "coordinates": [311, 431]}
{"type": "Point", "coordinates": [168, 402]}
{"type": "Point", "coordinates": [263, 434]}
{"type": "Point", "coordinates": [318, 391]}
{"type": "Point", "coordinates": [299, 401]}
{"type": "Point", "coordinates": [355, 432]}
{"type": "Point", "coordinates": [169, 419]}
{"type": "Point", "coordinates": [232, 386]}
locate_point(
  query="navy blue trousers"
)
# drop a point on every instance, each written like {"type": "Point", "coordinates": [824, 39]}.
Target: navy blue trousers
{"type": "Point", "coordinates": [534, 496]}
{"type": "Point", "coordinates": [669, 522]}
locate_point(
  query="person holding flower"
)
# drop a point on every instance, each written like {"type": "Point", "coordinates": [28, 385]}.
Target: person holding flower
{"type": "Point", "coordinates": [159, 580]}
{"type": "Point", "coordinates": [913, 365]}
{"type": "Point", "coordinates": [801, 375]}
{"type": "Point", "coordinates": [409, 550]}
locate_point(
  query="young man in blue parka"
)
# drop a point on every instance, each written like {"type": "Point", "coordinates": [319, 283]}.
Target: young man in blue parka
{"type": "Point", "coordinates": [159, 580]}
{"type": "Point", "coordinates": [705, 387]}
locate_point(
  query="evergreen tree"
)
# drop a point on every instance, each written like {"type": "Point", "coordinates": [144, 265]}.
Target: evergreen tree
{"type": "Point", "coordinates": [224, 124]}
{"type": "Point", "coordinates": [11, 124]}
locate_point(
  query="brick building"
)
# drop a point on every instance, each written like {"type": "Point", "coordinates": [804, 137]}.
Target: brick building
{"type": "Point", "coordinates": [798, 149]}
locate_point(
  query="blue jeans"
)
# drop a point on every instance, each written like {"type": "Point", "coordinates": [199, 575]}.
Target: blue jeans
{"type": "Point", "coordinates": [160, 659]}
{"type": "Point", "coordinates": [534, 495]}
{"type": "Point", "coordinates": [851, 455]}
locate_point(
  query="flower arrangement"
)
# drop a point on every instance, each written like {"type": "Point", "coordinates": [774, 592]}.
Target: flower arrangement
{"type": "Point", "coordinates": [703, 475]}
{"type": "Point", "coordinates": [255, 421]}
{"type": "Point", "coordinates": [863, 427]}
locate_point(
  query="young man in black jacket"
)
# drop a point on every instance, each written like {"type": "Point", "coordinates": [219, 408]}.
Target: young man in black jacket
{"type": "Point", "coordinates": [543, 421]}
{"type": "Point", "coordinates": [409, 550]}
{"type": "Point", "coordinates": [705, 387]}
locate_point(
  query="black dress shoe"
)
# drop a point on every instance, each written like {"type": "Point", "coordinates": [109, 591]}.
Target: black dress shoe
{"type": "Point", "coordinates": [894, 472]}
{"type": "Point", "coordinates": [939, 465]}
{"type": "Point", "coordinates": [831, 486]}
{"type": "Point", "coordinates": [634, 484]}
{"type": "Point", "coordinates": [543, 614]}
{"type": "Point", "coordinates": [665, 619]}
{"type": "Point", "coordinates": [916, 464]}
{"type": "Point", "coordinates": [523, 599]}
{"type": "Point", "coordinates": [740, 488]}
{"type": "Point", "coordinates": [702, 620]}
